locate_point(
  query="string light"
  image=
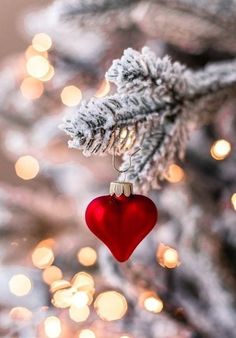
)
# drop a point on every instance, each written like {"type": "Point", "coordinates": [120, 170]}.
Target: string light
{"type": "Point", "coordinates": [71, 96]}
{"type": "Point", "coordinates": [153, 304]}
{"type": "Point", "coordinates": [52, 274]}
{"type": "Point", "coordinates": [20, 313]}
{"type": "Point", "coordinates": [52, 327]}
{"type": "Point", "coordinates": [41, 42]}
{"type": "Point", "coordinates": [87, 256]}
{"type": "Point", "coordinates": [167, 256]}
{"type": "Point", "coordinates": [20, 285]}
{"type": "Point", "coordinates": [174, 174]}
{"type": "Point", "coordinates": [42, 257]}
{"type": "Point", "coordinates": [110, 305]}
{"type": "Point", "coordinates": [79, 314]}
{"type": "Point", "coordinates": [37, 66]}
{"type": "Point", "coordinates": [104, 89]}
{"type": "Point", "coordinates": [86, 333]}
{"type": "Point", "coordinates": [220, 149]}
{"type": "Point", "coordinates": [59, 285]}
{"type": "Point", "coordinates": [31, 88]}
{"type": "Point", "coordinates": [27, 167]}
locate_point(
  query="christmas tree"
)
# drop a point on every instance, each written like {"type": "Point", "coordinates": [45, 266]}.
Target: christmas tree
{"type": "Point", "coordinates": [146, 88]}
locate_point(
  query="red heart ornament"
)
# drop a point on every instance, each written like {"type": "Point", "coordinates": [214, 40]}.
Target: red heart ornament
{"type": "Point", "coordinates": [121, 222]}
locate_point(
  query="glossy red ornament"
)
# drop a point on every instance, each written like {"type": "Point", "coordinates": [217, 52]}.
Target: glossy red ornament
{"type": "Point", "coordinates": [121, 222]}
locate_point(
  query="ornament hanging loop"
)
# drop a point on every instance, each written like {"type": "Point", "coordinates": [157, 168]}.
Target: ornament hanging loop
{"type": "Point", "coordinates": [130, 162]}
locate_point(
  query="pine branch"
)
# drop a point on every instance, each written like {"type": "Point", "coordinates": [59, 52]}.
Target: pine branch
{"type": "Point", "coordinates": [155, 103]}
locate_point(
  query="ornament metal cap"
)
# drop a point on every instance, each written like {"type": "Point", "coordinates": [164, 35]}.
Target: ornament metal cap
{"type": "Point", "coordinates": [119, 188]}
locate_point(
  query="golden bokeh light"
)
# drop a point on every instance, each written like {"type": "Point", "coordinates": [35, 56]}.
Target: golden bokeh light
{"type": "Point", "coordinates": [233, 200]}
{"type": "Point", "coordinates": [167, 256]}
{"type": "Point", "coordinates": [125, 336]}
{"type": "Point", "coordinates": [52, 327]}
{"type": "Point", "coordinates": [83, 280]}
{"type": "Point", "coordinates": [37, 66]}
{"type": "Point", "coordinates": [174, 174]}
{"type": "Point", "coordinates": [59, 285]}
{"type": "Point", "coordinates": [47, 243]}
{"type": "Point", "coordinates": [41, 42]}
{"type": "Point", "coordinates": [110, 305]}
{"type": "Point", "coordinates": [20, 313]}
{"type": "Point", "coordinates": [71, 96]}
{"type": "Point", "coordinates": [49, 75]}
{"type": "Point", "coordinates": [27, 167]}
{"type": "Point", "coordinates": [52, 274]}
{"type": "Point", "coordinates": [42, 257]}
{"type": "Point", "coordinates": [31, 88]}
{"type": "Point", "coordinates": [104, 89]}
{"type": "Point", "coordinates": [86, 333]}
{"type": "Point", "coordinates": [87, 256]}
{"type": "Point", "coordinates": [79, 314]}
{"type": "Point", "coordinates": [63, 298]}
{"type": "Point", "coordinates": [220, 149]}
{"type": "Point", "coordinates": [80, 299]}
{"type": "Point", "coordinates": [170, 258]}
{"type": "Point", "coordinates": [20, 285]}
{"type": "Point", "coordinates": [153, 304]}
{"type": "Point", "coordinates": [30, 51]}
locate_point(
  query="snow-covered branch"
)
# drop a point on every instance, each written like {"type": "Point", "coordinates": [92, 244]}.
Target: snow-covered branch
{"type": "Point", "coordinates": [155, 103]}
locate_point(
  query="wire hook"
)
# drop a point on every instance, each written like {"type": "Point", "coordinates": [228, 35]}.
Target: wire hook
{"type": "Point", "coordinates": [130, 159]}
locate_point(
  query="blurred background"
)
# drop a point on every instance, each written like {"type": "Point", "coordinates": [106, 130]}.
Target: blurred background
{"type": "Point", "coordinates": [57, 279]}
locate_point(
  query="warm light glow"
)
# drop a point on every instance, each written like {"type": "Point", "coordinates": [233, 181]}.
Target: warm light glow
{"type": "Point", "coordinates": [104, 89]}
{"type": "Point", "coordinates": [71, 96]}
{"type": "Point", "coordinates": [125, 336]}
{"type": "Point", "coordinates": [42, 257]}
{"type": "Point", "coordinates": [31, 88]}
{"type": "Point", "coordinates": [233, 200]}
{"type": "Point", "coordinates": [153, 304]}
{"type": "Point", "coordinates": [52, 274]}
{"type": "Point", "coordinates": [123, 134]}
{"type": "Point", "coordinates": [52, 327]}
{"type": "Point", "coordinates": [79, 314]}
{"type": "Point", "coordinates": [59, 285]}
{"type": "Point", "coordinates": [87, 256]}
{"type": "Point", "coordinates": [174, 174]}
{"type": "Point", "coordinates": [30, 51]}
{"type": "Point", "coordinates": [63, 298]}
{"type": "Point", "coordinates": [83, 280]}
{"type": "Point", "coordinates": [37, 66]}
{"type": "Point", "coordinates": [27, 167]}
{"type": "Point", "coordinates": [110, 305]}
{"type": "Point", "coordinates": [220, 149]}
{"type": "Point", "coordinates": [87, 334]}
{"type": "Point", "coordinates": [170, 258]}
{"type": "Point", "coordinates": [80, 299]}
{"type": "Point", "coordinates": [20, 313]}
{"type": "Point", "coordinates": [47, 243]}
{"type": "Point", "coordinates": [49, 75]}
{"type": "Point", "coordinates": [41, 42]}
{"type": "Point", "coordinates": [167, 256]}
{"type": "Point", "coordinates": [20, 285]}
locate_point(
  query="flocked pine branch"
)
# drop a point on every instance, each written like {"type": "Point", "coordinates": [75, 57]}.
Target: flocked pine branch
{"type": "Point", "coordinates": [156, 103]}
